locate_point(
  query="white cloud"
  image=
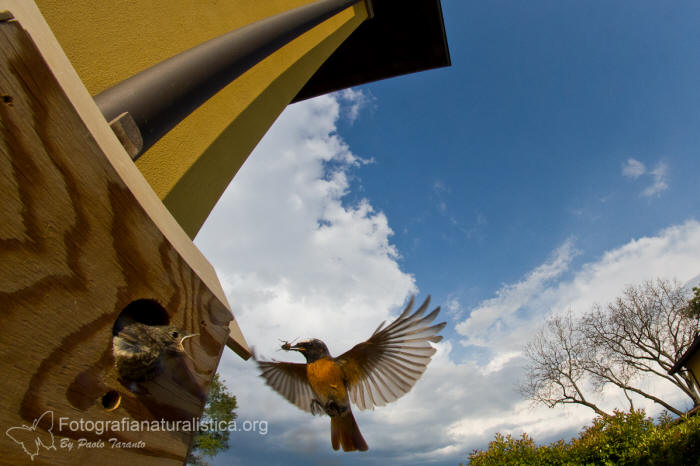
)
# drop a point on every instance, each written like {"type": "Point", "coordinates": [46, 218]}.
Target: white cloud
{"type": "Point", "coordinates": [672, 253]}
{"type": "Point", "coordinates": [498, 362]}
{"type": "Point", "coordinates": [296, 262]}
{"type": "Point", "coordinates": [498, 317]}
{"type": "Point", "coordinates": [355, 101]}
{"type": "Point", "coordinates": [293, 259]}
{"type": "Point", "coordinates": [439, 186]}
{"type": "Point", "coordinates": [439, 190]}
{"type": "Point", "coordinates": [660, 177]}
{"type": "Point", "coordinates": [452, 305]}
{"type": "Point", "coordinates": [487, 399]}
{"type": "Point", "coordinates": [634, 169]}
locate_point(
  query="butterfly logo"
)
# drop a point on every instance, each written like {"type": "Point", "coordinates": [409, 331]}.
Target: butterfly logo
{"type": "Point", "coordinates": [30, 439]}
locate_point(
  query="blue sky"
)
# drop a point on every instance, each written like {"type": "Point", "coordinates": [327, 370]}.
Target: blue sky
{"type": "Point", "coordinates": [526, 134]}
{"type": "Point", "coordinates": [553, 164]}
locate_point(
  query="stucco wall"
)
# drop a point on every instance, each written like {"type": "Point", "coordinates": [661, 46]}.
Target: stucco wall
{"type": "Point", "coordinates": [108, 41]}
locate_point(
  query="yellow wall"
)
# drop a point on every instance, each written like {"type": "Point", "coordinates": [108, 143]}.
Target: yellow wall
{"type": "Point", "coordinates": [110, 40]}
{"type": "Point", "coordinates": [694, 365]}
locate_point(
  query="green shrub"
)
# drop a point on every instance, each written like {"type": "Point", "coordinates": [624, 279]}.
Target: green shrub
{"type": "Point", "coordinates": [627, 438]}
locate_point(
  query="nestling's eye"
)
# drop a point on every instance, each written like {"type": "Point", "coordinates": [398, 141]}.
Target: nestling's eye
{"type": "Point", "coordinates": [174, 334]}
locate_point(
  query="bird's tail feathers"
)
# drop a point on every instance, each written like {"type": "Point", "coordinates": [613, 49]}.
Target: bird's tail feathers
{"type": "Point", "coordinates": [345, 433]}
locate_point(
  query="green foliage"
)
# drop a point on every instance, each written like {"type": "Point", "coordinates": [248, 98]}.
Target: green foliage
{"type": "Point", "coordinates": [627, 438]}
{"type": "Point", "coordinates": [219, 409]}
{"type": "Point", "coordinates": [694, 304]}
{"type": "Point", "coordinates": [522, 451]}
{"type": "Point", "coordinates": [671, 443]}
{"type": "Point", "coordinates": [611, 440]}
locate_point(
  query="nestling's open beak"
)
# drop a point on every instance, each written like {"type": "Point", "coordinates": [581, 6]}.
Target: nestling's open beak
{"type": "Point", "coordinates": [182, 348]}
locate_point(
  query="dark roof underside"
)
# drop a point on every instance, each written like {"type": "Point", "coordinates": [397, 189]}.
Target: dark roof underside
{"type": "Point", "coordinates": [403, 37]}
{"type": "Point", "coordinates": [694, 346]}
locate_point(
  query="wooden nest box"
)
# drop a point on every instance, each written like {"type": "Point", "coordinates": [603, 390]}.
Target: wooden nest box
{"type": "Point", "coordinates": [84, 240]}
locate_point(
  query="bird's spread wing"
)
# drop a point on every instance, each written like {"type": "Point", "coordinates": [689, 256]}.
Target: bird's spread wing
{"type": "Point", "coordinates": [289, 380]}
{"type": "Point", "coordinates": [386, 366]}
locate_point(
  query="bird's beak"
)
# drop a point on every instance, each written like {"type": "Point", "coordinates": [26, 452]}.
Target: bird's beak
{"type": "Point", "coordinates": [182, 348]}
{"type": "Point", "coordinates": [297, 348]}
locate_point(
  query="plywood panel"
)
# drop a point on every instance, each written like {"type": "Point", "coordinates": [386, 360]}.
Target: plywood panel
{"type": "Point", "coordinates": [77, 247]}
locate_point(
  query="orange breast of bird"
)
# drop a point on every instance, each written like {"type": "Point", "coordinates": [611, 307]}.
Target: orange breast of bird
{"type": "Point", "coordinates": [326, 380]}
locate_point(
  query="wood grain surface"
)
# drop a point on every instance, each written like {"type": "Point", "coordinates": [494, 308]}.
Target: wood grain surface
{"type": "Point", "coordinates": [76, 248]}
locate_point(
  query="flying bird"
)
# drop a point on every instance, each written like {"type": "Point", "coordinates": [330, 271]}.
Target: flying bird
{"type": "Point", "coordinates": [373, 373]}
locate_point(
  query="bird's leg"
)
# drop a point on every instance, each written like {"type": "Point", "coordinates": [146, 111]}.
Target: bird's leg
{"type": "Point", "coordinates": [334, 409]}
{"type": "Point", "coordinates": [316, 407]}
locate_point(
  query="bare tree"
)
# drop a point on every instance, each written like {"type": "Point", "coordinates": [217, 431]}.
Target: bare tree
{"type": "Point", "coordinates": [641, 334]}
{"type": "Point", "coordinates": [557, 371]}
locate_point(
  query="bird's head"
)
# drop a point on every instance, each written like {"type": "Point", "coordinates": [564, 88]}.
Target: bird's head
{"type": "Point", "coordinates": [173, 338]}
{"type": "Point", "coordinates": [312, 349]}
{"type": "Point", "coordinates": [141, 337]}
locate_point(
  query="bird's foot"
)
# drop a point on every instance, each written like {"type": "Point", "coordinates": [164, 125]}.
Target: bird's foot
{"type": "Point", "coordinates": [316, 407]}
{"type": "Point", "coordinates": [334, 409]}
